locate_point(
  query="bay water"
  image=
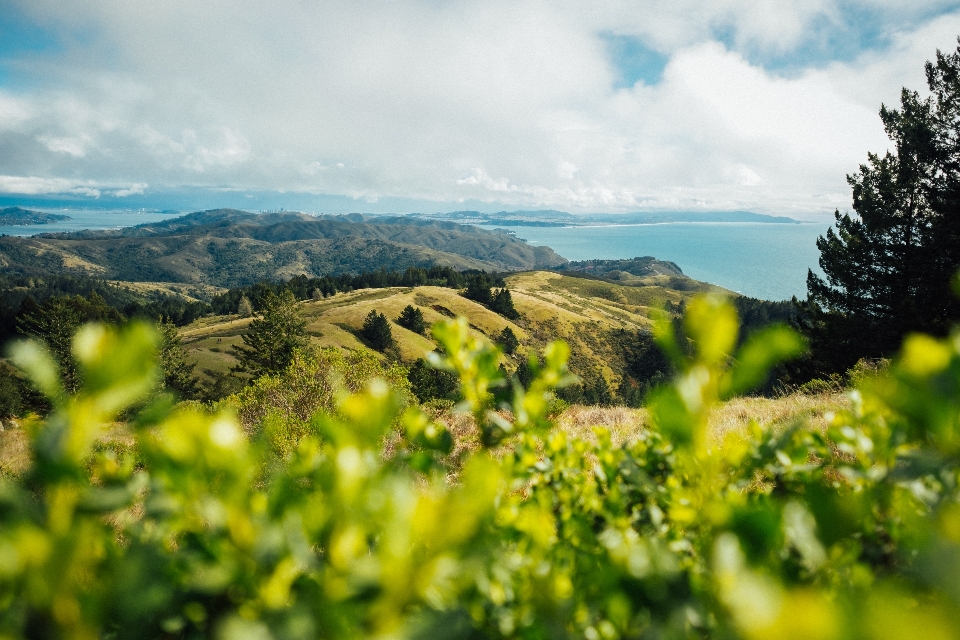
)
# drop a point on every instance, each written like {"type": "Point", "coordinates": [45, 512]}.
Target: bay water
{"type": "Point", "coordinates": [760, 260]}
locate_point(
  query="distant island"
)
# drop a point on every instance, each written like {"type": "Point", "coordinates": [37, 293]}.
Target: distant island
{"type": "Point", "coordinates": [550, 218]}
{"type": "Point", "coordinates": [16, 217]}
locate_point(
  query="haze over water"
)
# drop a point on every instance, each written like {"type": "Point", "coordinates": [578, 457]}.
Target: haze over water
{"type": "Point", "coordinates": [760, 260]}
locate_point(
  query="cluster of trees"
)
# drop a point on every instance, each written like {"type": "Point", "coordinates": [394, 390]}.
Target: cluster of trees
{"type": "Point", "coordinates": [890, 266]}
{"type": "Point", "coordinates": [21, 296]}
{"type": "Point", "coordinates": [480, 288]}
{"type": "Point", "coordinates": [305, 288]}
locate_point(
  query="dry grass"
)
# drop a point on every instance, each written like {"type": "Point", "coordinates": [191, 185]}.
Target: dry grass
{"type": "Point", "coordinates": [14, 450]}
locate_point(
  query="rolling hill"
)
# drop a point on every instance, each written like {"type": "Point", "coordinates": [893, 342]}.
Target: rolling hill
{"type": "Point", "coordinates": [226, 248]}
{"type": "Point", "coordinates": [584, 311]}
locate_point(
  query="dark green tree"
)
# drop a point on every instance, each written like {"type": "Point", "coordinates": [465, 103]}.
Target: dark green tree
{"type": "Point", "coordinates": [478, 289]}
{"type": "Point", "coordinates": [507, 341]}
{"type": "Point", "coordinates": [273, 336]}
{"type": "Point", "coordinates": [502, 303]}
{"type": "Point", "coordinates": [889, 266]}
{"type": "Point", "coordinates": [178, 375]}
{"type": "Point", "coordinates": [54, 323]}
{"type": "Point", "coordinates": [412, 318]}
{"type": "Point", "coordinates": [376, 331]}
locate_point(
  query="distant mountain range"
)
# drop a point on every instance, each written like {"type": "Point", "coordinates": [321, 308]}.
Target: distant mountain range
{"type": "Point", "coordinates": [550, 218]}
{"type": "Point", "coordinates": [15, 216]}
{"type": "Point", "coordinates": [226, 247]}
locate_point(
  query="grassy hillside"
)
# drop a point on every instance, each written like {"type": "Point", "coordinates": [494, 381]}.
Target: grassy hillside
{"type": "Point", "coordinates": [585, 312]}
{"type": "Point", "coordinates": [233, 248]}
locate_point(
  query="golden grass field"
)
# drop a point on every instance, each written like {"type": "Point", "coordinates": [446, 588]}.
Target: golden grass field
{"type": "Point", "coordinates": [552, 306]}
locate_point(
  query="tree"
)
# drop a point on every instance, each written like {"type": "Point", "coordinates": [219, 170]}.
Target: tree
{"type": "Point", "coordinates": [502, 303]}
{"type": "Point", "coordinates": [244, 308]}
{"type": "Point", "coordinates": [54, 323]}
{"type": "Point", "coordinates": [376, 331]}
{"type": "Point", "coordinates": [412, 318]}
{"type": "Point", "coordinates": [178, 374]}
{"type": "Point", "coordinates": [888, 268]}
{"type": "Point", "coordinates": [273, 336]}
{"type": "Point", "coordinates": [507, 341]}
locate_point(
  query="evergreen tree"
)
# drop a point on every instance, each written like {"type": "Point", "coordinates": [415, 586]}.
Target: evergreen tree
{"type": "Point", "coordinates": [244, 308]}
{"type": "Point", "coordinates": [178, 374]}
{"type": "Point", "coordinates": [54, 323]}
{"type": "Point", "coordinates": [376, 331]}
{"type": "Point", "coordinates": [273, 336]}
{"type": "Point", "coordinates": [889, 267]}
{"type": "Point", "coordinates": [478, 289]}
{"type": "Point", "coordinates": [508, 341]}
{"type": "Point", "coordinates": [502, 303]}
{"type": "Point", "coordinates": [412, 318]}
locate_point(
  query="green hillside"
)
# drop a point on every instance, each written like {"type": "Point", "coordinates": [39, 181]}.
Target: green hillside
{"type": "Point", "coordinates": [231, 248]}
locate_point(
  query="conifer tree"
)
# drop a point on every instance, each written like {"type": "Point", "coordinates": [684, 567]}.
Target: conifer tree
{"type": "Point", "coordinates": [178, 374]}
{"type": "Point", "coordinates": [376, 331]}
{"type": "Point", "coordinates": [273, 336]}
{"type": "Point", "coordinates": [889, 266]}
{"type": "Point", "coordinates": [412, 318]}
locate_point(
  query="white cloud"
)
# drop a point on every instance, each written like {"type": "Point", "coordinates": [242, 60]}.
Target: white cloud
{"type": "Point", "coordinates": [504, 101]}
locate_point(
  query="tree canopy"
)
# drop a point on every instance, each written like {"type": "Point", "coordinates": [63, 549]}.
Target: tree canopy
{"type": "Point", "coordinates": [273, 336]}
{"type": "Point", "coordinates": [889, 265]}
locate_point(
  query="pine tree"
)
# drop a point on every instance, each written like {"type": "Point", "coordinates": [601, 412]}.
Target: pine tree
{"type": "Point", "coordinates": [54, 323]}
{"type": "Point", "coordinates": [376, 331]}
{"type": "Point", "coordinates": [178, 374]}
{"type": "Point", "coordinates": [889, 267]}
{"type": "Point", "coordinates": [507, 340]}
{"type": "Point", "coordinates": [244, 308]}
{"type": "Point", "coordinates": [273, 336]}
{"type": "Point", "coordinates": [412, 318]}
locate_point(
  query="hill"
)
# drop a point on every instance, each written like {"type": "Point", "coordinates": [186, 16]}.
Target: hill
{"type": "Point", "coordinates": [231, 248]}
{"type": "Point", "coordinates": [15, 216]}
{"type": "Point", "coordinates": [593, 316]}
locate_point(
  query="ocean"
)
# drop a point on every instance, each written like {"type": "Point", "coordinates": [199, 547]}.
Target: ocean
{"type": "Point", "coordinates": [760, 260]}
{"type": "Point", "coordinates": [81, 219]}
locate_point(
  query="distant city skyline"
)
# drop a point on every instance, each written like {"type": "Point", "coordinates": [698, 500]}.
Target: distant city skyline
{"type": "Point", "coordinates": [420, 106]}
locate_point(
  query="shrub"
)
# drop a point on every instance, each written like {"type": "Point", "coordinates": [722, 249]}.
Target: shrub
{"type": "Point", "coordinates": [848, 533]}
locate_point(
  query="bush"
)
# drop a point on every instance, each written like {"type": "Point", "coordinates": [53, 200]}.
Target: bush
{"type": "Point", "coordinates": [196, 532]}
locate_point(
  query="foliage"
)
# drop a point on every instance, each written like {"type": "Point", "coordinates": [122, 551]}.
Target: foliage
{"type": "Point", "coordinates": [479, 289]}
{"type": "Point", "coordinates": [507, 341]}
{"type": "Point", "coordinates": [429, 383]}
{"type": "Point", "coordinates": [851, 533]}
{"type": "Point", "coordinates": [412, 318]}
{"type": "Point", "coordinates": [272, 338]}
{"type": "Point", "coordinates": [177, 372]}
{"type": "Point", "coordinates": [376, 331]}
{"type": "Point", "coordinates": [284, 404]}
{"type": "Point", "coordinates": [889, 268]}
{"type": "Point", "coordinates": [305, 288]}
{"type": "Point", "coordinates": [244, 308]}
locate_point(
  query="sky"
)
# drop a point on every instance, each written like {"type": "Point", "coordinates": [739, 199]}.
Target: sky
{"type": "Point", "coordinates": [432, 105]}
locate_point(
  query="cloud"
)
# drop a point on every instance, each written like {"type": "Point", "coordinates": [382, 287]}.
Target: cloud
{"type": "Point", "coordinates": [510, 102]}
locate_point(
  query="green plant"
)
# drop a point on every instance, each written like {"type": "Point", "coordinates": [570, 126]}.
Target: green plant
{"type": "Point", "coordinates": [273, 337]}
{"type": "Point", "coordinates": [376, 331]}
{"type": "Point", "coordinates": [849, 533]}
{"type": "Point", "coordinates": [412, 318]}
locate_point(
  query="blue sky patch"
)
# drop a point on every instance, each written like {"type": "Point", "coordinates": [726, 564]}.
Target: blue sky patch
{"type": "Point", "coordinates": [843, 37]}
{"type": "Point", "coordinates": [633, 60]}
